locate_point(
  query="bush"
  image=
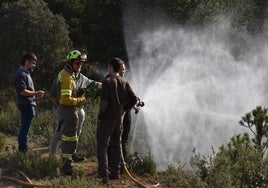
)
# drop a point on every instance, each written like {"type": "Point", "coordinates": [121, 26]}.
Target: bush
{"type": "Point", "coordinates": [135, 163]}
{"type": "Point", "coordinates": [149, 165]}
{"type": "Point", "coordinates": [257, 122]}
{"type": "Point", "coordinates": [78, 173]}
{"type": "Point", "coordinates": [141, 164]}
{"type": "Point", "coordinates": [176, 177]}
{"type": "Point", "coordinates": [10, 119]}
{"type": "Point", "coordinates": [239, 159]}
{"type": "Point", "coordinates": [238, 164]}
{"type": "Point", "coordinates": [43, 126]}
{"type": "Point", "coordinates": [34, 165]}
{"type": "Point", "coordinates": [3, 161]}
{"type": "Point", "coordinates": [2, 141]}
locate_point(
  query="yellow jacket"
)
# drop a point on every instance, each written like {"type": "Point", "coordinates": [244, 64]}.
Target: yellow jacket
{"type": "Point", "coordinates": [67, 88]}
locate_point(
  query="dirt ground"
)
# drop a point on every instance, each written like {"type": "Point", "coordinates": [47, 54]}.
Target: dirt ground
{"type": "Point", "coordinates": [123, 182]}
{"type": "Point", "coordinates": [90, 167]}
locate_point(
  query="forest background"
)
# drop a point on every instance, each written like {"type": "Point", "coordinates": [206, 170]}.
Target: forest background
{"type": "Point", "coordinates": [52, 28]}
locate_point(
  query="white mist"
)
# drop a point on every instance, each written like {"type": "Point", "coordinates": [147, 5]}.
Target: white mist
{"type": "Point", "coordinates": [196, 85]}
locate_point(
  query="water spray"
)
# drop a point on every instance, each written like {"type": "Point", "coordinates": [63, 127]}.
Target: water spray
{"type": "Point", "coordinates": [139, 184]}
{"type": "Point", "coordinates": [200, 83]}
{"type": "Point", "coordinates": [138, 104]}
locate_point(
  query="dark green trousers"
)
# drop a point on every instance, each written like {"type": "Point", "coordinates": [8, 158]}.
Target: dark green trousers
{"type": "Point", "coordinates": [109, 131]}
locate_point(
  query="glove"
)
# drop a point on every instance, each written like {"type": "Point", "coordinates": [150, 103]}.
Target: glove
{"type": "Point", "coordinates": [81, 100]}
{"type": "Point", "coordinates": [80, 92]}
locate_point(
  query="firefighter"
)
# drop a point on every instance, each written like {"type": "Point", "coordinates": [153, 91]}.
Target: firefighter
{"type": "Point", "coordinates": [82, 83]}
{"type": "Point", "coordinates": [68, 106]}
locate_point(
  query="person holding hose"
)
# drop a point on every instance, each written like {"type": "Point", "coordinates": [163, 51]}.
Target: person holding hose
{"type": "Point", "coordinates": [127, 119]}
{"type": "Point", "coordinates": [116, 97]}
{"type": "Point", "coordinates": [82, 83]}
{"type": "Point", "coordinates": [126, 124]}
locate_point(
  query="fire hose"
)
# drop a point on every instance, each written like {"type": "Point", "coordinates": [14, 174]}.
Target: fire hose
{"type": "Point", "coordinates": [139, 104]}
{"type": "Point", "coordinates": [129, 175]}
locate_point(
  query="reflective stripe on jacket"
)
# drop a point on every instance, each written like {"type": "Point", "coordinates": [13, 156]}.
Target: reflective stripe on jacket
{"type": "Point", "coordinates": [67, 88]}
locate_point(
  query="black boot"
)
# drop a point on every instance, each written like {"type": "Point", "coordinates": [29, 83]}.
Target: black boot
{"type": "Point", "coordinates": [23, 150]}
{"type": "Point", "coordinates": [105, 180]}
{"type": "Point", "coordinates": [67, 167]}
{"type": "Point", "coordinates": [114, 176]}
{"type": "Point", "coordinates": [77, 159]}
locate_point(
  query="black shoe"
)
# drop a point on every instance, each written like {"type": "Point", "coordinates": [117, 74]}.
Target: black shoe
{"type": "Point", "coordinates": [105, 181]}
{"type": "Point", "coordinates": [114, 177]}
{"type": "Point", "coordinates": [23, 150]}
{"type": "Point", "coordinates": [67, 168]}
{"type": "Point", "coordinates": [77, 159]}
{"type": "Point", "coordinates": [121, 168]}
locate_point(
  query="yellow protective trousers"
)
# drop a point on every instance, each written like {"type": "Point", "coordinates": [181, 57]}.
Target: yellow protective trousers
{"type": "Point", "coordinates": [68, 118]}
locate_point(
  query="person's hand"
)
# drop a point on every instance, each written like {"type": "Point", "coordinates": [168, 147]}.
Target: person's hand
{"type": "Point", "coordinates": [136, 108]}
{"type": "Point", "coordinates": [81, 92]}
{"type": "Point", "coordinates": [99, 85]}
{"type": "Point", "coordinates": [39, 94]}
{"type": "Point", "coordinates": [83, 100]}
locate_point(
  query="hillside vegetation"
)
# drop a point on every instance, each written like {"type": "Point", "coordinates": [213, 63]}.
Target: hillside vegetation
{"type": "Point", "coordinates": [242, 162]}
{"type": "Point", "coordinates": [51, 28]}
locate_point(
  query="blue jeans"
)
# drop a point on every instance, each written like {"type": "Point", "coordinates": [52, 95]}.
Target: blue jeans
{"type": "Point", "coordinates": [27, 114]}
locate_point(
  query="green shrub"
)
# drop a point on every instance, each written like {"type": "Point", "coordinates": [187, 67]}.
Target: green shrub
{"type": "Point", "coordinates": [238, 164]}
{"type": "Point", "coordinates": [265, 170]}
{"type": "Point", "coordinates": [239, 161]}
{"type": "Point", "coordinates": [257, 122]}
{"type": "Point", "coordinates": [2, 141]}
{"type": "Point", "coordinates": [10, 119]}
{"type": "Point", "coordinates": [199, 165]}
{"type": "Point", "coordinates": [3, 161]}
{"type": "Point", "coordinates": [141, 164]}
{"type": "Point", "coordinates": [176, 177]}
{"type": "Point", "coordinates": [34, 165]}
{"type": "Point", "coordinates": [43, 126]}
{"type": "Point", "coordinates": [78, 173]}
{"type": "Point", "coordinates": [135, 163]}
{"type": "Point", "coordinates": [149, 165]}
